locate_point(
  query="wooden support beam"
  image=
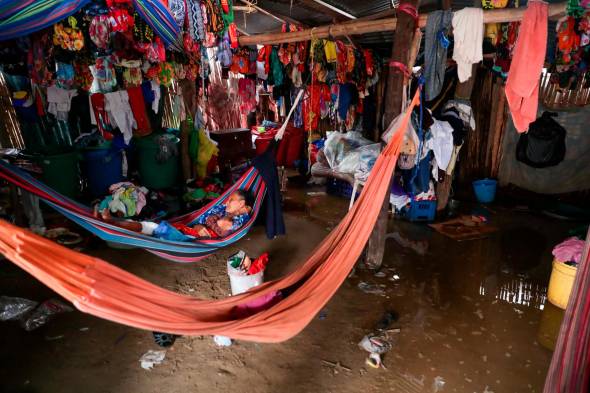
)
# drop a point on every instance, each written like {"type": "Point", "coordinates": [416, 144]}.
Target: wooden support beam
{"type": "Point", "coordinates": [405, 47]}
{"type": "Point", "coordinates": [372, 26]}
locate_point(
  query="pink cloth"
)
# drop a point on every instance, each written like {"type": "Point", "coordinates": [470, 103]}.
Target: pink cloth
{"type": "Point", "coordinates": [522, 87]}
{"type": "Point", "coordinates": [259, 304]}
{"type": "Point", "coordinates": [569, 250]}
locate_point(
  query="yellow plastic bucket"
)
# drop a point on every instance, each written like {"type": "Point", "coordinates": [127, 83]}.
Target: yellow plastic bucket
{"type": "Point", "coordinates": [549, 326]}
{"type": "Point", "coordinates": [560, 283]}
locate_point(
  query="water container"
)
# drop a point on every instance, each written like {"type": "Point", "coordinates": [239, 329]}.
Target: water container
{"type": "Point", "coordinates": [155, 175]}
{"type": "Point", "coordinates": [61, 172]}
{"type": "Point", "coordinates": [103, 168]}
{"type": "Point", "coordinates": [485, 190]}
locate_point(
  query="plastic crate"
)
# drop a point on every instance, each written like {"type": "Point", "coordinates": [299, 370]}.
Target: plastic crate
{"type": "Point", "coordinates": [339, 188]}
{"type": "Point", "coordinates": [421, 211]}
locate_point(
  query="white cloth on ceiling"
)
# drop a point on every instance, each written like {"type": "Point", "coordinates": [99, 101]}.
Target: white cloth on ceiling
{"type": "Point", "coordinates": [59, 102]}
{"type": "Point", "coordinates": [468, 33]}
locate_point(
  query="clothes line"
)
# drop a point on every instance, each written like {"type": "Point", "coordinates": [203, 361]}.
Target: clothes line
{"type": "Point", "coordinates": [373, 26]}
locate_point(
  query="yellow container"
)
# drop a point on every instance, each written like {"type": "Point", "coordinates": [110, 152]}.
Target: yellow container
{"type": "Point", "coordinates": [560, 283]}
{"type": "Point", "coordinates": [551, 319]}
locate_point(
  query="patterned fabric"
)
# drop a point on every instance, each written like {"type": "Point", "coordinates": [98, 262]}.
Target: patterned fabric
{"type": "Point", "coordinates": [215, 22]}
{"type": "Point", "coordinates": [23, 17]}
{"type": "Point", "coordinates": [178, 11]}
{"type": "Point", "coordinates": [195, 20]}
{"type": "Point", "coordinates": [159, 18]}
{"type": "Point", "coordinates": [219, 212]}
{"type": "Point", "coordinates": [569, 371]}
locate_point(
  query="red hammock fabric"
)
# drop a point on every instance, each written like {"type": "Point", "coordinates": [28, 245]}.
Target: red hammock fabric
{"type": "Point", "coordinates": [103, 290]}
{"type": "Point", "coordinates": [570, 366]}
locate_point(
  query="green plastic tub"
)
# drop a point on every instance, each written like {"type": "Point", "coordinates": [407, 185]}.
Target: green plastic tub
{"type": "Point", "coordinates": [61, 172]}
{"type": "Point", "coordinates": [156, 175]}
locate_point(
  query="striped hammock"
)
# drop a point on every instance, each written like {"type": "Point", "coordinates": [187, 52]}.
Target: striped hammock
{"type": "Point", "coordinates": [177, 251]}
{"type": "Point", "coordinates": [19, 18]}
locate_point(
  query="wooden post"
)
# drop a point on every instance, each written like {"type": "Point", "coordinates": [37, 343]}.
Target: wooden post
{"type": "Point", "coordinates": [401, 52]}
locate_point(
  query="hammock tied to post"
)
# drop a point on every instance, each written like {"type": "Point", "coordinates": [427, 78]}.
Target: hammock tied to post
{"type": "Point", "coordinates": [101, 289]}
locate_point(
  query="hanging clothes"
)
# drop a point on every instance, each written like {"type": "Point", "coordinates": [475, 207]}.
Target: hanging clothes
{"type": "Point", "coordinates": [120, 113]}
{"type": "Point", "coordinates": [348, 95]}
{"type": "Point", "coordinates": [196, 27]}
{"type": "Point", "coordinates": [435, 51]}
{"type": "Point", "coordinates": [441, 143]}
{"type": "Point", "coordinates": [247, 95]}
{"type": "Point", "coordinates": [468, 32]}
{"type": "Point", "coordinates": [59, 102]}
{"type": "Point", "coordinates": [316, 94]}
{"type": "Point", "coordinates": [137, 103]}
{"type": "Point", "coordinates": [522, 86]}
{"type": "Point", "coordinates": [79, 115]}
{"type": "Point", "coordinates": [99, 116]}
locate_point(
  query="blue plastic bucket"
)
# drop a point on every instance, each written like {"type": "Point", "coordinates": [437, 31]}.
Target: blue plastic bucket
{"type": "Point", "coordinates": [485, 190]}
{"type": "Point", "coordinates": [103, 168]}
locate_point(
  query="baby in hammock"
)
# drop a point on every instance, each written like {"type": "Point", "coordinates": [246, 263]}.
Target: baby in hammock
{"type": "Point", "coordinates": [220, 221]}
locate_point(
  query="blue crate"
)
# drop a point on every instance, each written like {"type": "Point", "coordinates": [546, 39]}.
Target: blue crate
{"type": "Point", "coordinates": [421, 211]}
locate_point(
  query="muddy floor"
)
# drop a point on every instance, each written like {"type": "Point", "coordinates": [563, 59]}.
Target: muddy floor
{"type": "Point", "coordinates": [470, 314]}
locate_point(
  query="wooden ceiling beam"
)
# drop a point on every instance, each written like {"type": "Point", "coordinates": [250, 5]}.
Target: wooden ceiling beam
{"type": "Point", "coordinates": [373, 26]}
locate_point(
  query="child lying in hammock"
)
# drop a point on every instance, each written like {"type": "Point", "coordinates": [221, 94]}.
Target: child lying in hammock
{"type": "Point", "coordinates": [220, 221]}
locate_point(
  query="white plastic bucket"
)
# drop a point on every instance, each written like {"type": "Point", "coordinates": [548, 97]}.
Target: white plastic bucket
{"type": "Point", "coordinates": [240, 282]}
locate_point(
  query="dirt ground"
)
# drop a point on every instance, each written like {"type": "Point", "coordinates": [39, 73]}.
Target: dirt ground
{"type": "Point", "coordinates": [469, 316]}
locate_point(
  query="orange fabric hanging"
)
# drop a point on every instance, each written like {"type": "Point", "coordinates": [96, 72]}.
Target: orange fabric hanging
{"type": "Point", "coordinates": [98, 288]}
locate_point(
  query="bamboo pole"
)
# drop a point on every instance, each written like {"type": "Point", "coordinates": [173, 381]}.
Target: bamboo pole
{"type": "Point", "coordinates": [380, 25]}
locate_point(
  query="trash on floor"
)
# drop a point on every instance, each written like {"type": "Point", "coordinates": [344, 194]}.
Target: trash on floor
{"type": "Point", "coordinates": [438, 384]}
{"type": "Point", "coordinates": [375, 289]}
{"type": "Point", "coordinates": [222, 341]}
{"type": "Point", "coordinates": [380, 342]}
{"type": "Point", "coordinates": [44, 313]}
{"type": "Point", "coordinates": [12, 308]}
{"type": "Point", "coordinates": [151, 358]}
{"type": "Point", "coordinates": [465, 228]}
{"type": "Point", "coordinates": [23, 310]}
{"type": "Point", "coordinates": [336, 367]}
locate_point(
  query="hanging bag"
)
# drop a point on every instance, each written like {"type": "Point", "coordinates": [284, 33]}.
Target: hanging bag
{"type": "Point", "coordinates": [544, 144]}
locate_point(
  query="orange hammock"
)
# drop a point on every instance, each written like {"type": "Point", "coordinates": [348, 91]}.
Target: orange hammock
{"type": "Point", "coordinates": [98, 288]}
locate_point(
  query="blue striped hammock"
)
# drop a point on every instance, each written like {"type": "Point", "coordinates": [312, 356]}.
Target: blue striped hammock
{"type": "Point", "coordinates": [251, 181]}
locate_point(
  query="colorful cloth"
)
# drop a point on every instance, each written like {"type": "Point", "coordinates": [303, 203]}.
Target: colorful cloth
{"type": "Point", "coordinates": [125, 198]}
{"type": "Point", "coordinates": [195, 20]}
{"type": "Point", "coordinates": [100, 31]}
{"type": "Point", "coordinates": [178, 11]}
{"type": "Point", "coordinates": [522, 86]}
{"type": "Point", "coordinates": [218, 211]}
{"type": "Point", "coordinates": [569, 250]}
{"type": "Point", "coordinates": [21, 18]}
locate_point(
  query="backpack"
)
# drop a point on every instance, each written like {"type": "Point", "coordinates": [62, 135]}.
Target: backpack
{"type": "Point", "coordinates": [544, 144]}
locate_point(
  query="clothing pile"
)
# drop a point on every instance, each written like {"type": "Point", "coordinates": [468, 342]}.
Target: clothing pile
{"type": "Point", "coordinates": [126, 199]}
